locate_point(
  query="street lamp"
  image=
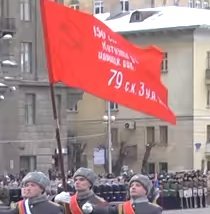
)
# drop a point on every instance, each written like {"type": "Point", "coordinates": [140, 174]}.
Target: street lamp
{"type": "Point", "coordinates": [109, 118]}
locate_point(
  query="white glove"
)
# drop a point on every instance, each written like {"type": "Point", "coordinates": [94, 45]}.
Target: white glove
{"type": "Point", "coordinates": [63, 197]}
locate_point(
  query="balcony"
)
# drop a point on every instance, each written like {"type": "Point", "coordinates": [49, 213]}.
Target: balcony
{"type": "Point", "coordinates": [207, 151]}
{"type": "Point", "coordinates": [7, 25]}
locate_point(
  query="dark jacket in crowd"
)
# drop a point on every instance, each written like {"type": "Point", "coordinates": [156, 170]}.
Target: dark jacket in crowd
{"type": "Point", "coordinates": [3, 207]}
{"type": "Point", "coordinates": [38, 205]}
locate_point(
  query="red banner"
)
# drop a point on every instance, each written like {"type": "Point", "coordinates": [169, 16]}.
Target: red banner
{"type": "Point", "coordinates": [83, 52]}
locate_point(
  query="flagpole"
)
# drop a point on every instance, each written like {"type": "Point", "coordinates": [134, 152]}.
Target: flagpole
{"type": "Point", "coordinates": [58, 139]}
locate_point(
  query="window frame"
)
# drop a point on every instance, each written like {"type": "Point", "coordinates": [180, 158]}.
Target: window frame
{"type": "Point", "coordinates": [30, 105]}
{"type": "Point", "coordinates": [26, 57]}
{"type": "Point", "coordinates": [25, 10]}
{"type": "Point", "coordinates": [149, 164]}
{"type": "Point", "coordinates": [208, 98]}
{"type": "Point", "coordinates": [208, 59]}
{"type": "Point", "coordinates": [190, 3]}
{"type": "Point", "coordinates": [114, 106]}
{"type": "Point", "coordinates": [150, 137]}
{"type": "Point", "coordinates": [161, 164]}
{"type": "Point", "coordinates": [164, 64]}
{"type": "Point", "coordinates": [98, 6]}
{"type": "Point", "coordinates": [208, 133]}
{"type": "Point", "coordinates": [205, 4]}
{"type": "Point", "coordinates": [198, 4]}
{"type": "Point", "coordinates": [124, 5]}
{"type": "Point", "coordinates": [163, 135]}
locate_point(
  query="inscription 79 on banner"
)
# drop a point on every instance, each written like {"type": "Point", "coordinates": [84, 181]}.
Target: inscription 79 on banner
{"type": "Point", "coordinates": [117, 77]}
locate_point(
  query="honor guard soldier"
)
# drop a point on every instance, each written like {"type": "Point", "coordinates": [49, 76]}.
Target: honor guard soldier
{"type": "Point", "coordinates": [138, 203]}
{"type": "Point", "coordinates": [84, 198]}
{"type": "Point", "coordinates": [200, 191]}
{"type": "Point", "coordinates": [205, 190]}
{"type": "Point", "coordinates": [195, 192]}
{"type": "Point", "coordinates": [4, 199]}
{"type": "Point", "coordinates": [34, 197]}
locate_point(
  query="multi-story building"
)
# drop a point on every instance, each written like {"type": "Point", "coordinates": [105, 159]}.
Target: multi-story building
{"type": "Point", "coordinates": [101, 6]}
{"type": "Point", "coordinates": [185, 72]}
{"type": "Point", "coordinates": [27, 129]}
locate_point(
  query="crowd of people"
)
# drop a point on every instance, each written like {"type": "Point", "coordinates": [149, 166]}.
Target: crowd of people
{"type": "Point", "coordinates": [88, 193]}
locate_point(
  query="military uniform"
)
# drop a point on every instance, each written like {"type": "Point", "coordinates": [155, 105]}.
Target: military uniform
{"type": "Point", "coordinates": [138, 204]}
{"type": "Point", "coordinates": [79, 199]}
{"type": "Point", "coordinates": [36, 206]}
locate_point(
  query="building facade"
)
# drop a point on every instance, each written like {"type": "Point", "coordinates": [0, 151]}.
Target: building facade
{"type": "Point", "coordinates": [27, 131]}
{"type": "Point", "coordinates": [185, 70]}
{"type": "Point", "coordinates": [27, 128]}
{"type": "Point", "coordinates": [101, 6]}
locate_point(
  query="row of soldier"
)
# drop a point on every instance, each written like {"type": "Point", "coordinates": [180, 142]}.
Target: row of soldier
{"type": "Point", "coordinates": [178, 190]}
{"type": "Point", "coordinates": [183, 190]}
{"type": "Point", "coordinates": [85, 200]}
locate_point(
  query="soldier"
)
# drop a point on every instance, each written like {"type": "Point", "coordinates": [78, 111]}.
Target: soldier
{"type": "Point", "coordinates": [4, 199]}
{"type": "Point", "coordinates": [35, 199]}
{"type": "Point", "coordinates": [138, 203]}
{"type": "Point", "coordinates": [84, 179]}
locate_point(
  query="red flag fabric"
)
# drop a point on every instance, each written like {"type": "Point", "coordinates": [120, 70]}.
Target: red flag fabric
{"type": "Point", "coordinates": [83, 52]}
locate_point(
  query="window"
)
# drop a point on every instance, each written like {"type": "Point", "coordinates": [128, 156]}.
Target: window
{"type": "Point", "coordinates": [74, 4]}
{"type": "Point", "coordinates": [152, 3]}
{"type": "Point", "coordinates": [113, 106]}
{"type": "Point", "coordinates": [208, 98]}
{"type": "Point", "coordinates": [25, 10]}
{"type": "Point", "coordinates": [30, 109]}
{"type": "Point", "coordinates": [208, 165]}
{"type": "Point", "coordinates": [150, 134]}
{"type": "Point", "coordinates": [136, 17]}
{"type": "Point", "coordinates": [72, 102]}
{"type": "Point", "coordinates": [197, 4]}
{"type": "Point", "coordinates": [190, 3]}
{"type": "Point", "coordinates": [114, 136]}
{"type": "Point", "coordinates": [58, 106]}
{"type": "Point", "coordinates": [164, 135]}
{"type": "Point", "coordinates": [176, 2]}
{"type": "Point", "coordinates": [98, 6]}
{"type": "Point", "coordinates": [28, 163]}
{"type": "Point", "coordinates": [208, 133]}
{"type": "Point", "coordinates": [208, 59]}
{"type": "Point", "coordinates": [163, 167]}
{"type": "Point", "coordinates": [131, 153]}
{"type": "Point", "coordinates": [164, 67]}
{"type": "Point", "coordinates": [124, 5]}
{"type": "Point", "coordinates": [150, 168]}
{"type": "Point", "coordinates": [25, 57]}
{"type": "Point", "coordinates": [164, 2]}
{"type": "Point", "coordinates": [205, 4]}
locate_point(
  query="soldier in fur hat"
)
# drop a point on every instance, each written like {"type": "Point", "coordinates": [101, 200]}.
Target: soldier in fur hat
{"type": "Point", "coordinates": [138, 203]}
{"type": "Point", "coordinates": [34, 197]}
{"type": "Point", "coordinates": [84, 179]}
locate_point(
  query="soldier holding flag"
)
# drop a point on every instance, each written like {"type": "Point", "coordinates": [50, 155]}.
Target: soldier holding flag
{"type": "Point", "coordinates": [84, 179]}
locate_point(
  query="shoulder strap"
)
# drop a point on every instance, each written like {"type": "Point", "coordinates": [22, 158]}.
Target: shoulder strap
{"type": "Point", "coordinates": [120, 209]}
{"type": "Point", "coordinates": [74, 206]}
{"type": "Point", "coordinates": [127, 208]}
{"type": "Point", "coordinates": [21, 207]}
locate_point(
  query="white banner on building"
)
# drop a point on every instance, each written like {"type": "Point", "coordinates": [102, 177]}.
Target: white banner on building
{"type": "Point", "coordinates": [99, 156]}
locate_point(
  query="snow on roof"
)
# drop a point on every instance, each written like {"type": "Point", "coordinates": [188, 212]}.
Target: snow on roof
{"type": "Point", "coordinates": [160, 18]}
{"type": "Point", "coordinates": [2, 84]}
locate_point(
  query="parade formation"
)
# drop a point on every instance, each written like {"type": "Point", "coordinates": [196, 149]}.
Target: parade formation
{"type": "Point", "coordinates": [89, 56]}
{"type": "Point", "coordinates": [89, 193]}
